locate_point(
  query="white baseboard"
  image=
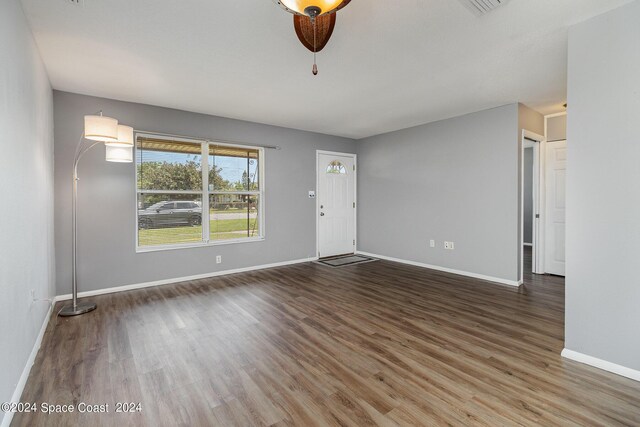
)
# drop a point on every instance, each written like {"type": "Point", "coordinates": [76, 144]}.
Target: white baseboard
{"type": "Point", "coordinates": [528, 244]}
{"type": "Point", "coordinates": [17, 394]}
{"type": "Point", "coordinates": [180, 279]}
{"type": "Point", "coordinates": [601, 364]}
{"type": "Point", "coordinates": [514, 283]}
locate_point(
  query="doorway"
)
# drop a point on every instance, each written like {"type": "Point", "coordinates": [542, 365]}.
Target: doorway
{"type": "Point", "coordinates": [531, 206]}
{"type": "Point", "coordinates": [335, 203]}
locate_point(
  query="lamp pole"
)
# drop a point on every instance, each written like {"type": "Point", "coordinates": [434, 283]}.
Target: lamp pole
{"type": "Point", "coordinates": [75, 309]}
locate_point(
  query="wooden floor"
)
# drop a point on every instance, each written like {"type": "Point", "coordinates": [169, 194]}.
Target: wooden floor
{"type": "Point", "coordinates": [370, 344]}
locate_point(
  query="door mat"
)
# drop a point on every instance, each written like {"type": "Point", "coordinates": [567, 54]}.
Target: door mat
{"type": "Point", "coordinates": [345, 260]}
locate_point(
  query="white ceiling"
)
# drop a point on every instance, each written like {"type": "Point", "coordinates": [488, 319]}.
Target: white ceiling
{"type": "Point", "coordinates": [389, 65]}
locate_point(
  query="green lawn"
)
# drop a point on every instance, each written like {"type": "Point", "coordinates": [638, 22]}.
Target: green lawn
{"type": "Point", "coordinates": [224, 225]}
{"type": "Point", "coordinates": [231, 210]}
{"type": "Point", "coordinates": [220, 230]}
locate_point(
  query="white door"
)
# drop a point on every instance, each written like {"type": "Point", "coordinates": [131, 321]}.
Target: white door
{"type": "Point", "coordinates": [556, 171]}
{"type": "Point", "coordinates": [336, 205]}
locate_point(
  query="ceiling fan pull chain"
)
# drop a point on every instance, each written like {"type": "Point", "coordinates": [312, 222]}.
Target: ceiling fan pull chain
{"type": "Point", "coordinates": [314, 70]}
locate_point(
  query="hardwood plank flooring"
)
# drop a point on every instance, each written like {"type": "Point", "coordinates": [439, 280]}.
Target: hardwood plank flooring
{"type": "Point", "coordinates": [370, 344]}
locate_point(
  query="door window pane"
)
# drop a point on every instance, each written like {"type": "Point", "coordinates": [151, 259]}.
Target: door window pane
{"type": "Point", "coordinates": [165, 219]}
{"type": "Point", "coordinates": [234, 216]}
{"type": "Point", "coordinates": [336, 167]}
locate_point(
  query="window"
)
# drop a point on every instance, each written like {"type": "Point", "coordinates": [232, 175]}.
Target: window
{"type": "Point", "coordinates": [195, 193]}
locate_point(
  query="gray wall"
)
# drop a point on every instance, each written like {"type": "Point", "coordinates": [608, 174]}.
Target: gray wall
{"type": "Point", "coordinates": [26, 245]}
{"type": "Point", "coordinates": [106, 224]}
{"type": "Point", "coordinates": [530, 120]}
{"type": "Point", "coordinates": [528, 195]}
{"type": "Point", "coordinates": [454, 180]}
{"type": "Point", "coordinates": [557, 128]}
{"type": "Point", "coordinates": [603, 188]}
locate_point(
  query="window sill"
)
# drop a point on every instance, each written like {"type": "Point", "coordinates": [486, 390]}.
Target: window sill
{"type": "Point", "coordinates": [145, 249]}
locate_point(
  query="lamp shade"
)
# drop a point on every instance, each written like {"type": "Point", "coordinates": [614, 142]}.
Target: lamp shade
{"type": "Point", "coordinates": [325, 6]}
{"type": "Point", "coordinates": [119, 154]}
{"type": "Point", "coordinates": [101, 128]}
{"type": "Point", "coordinates": [125, 137]}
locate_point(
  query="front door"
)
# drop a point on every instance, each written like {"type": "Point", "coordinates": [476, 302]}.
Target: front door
{"type": "Point", "coordinates": [556, 167]}
{"type": "Point", "coordinates": [336, 204]}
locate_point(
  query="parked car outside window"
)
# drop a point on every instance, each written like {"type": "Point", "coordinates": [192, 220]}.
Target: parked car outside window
{"type": "Point", "coordinates": [170, 214]}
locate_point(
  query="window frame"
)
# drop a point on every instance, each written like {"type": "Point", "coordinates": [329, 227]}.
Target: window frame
{"type": "Point", "coordinates": [204, 193]}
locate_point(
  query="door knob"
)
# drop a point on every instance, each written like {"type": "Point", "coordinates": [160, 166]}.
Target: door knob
{"type": "Point", "coordinates": [321, 213]}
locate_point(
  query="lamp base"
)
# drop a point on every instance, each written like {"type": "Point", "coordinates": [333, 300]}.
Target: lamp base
{"type": "Point", "coordinates": [80, 308]}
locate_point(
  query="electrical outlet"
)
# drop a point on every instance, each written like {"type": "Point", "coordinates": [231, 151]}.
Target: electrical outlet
{"type": "Point", "coordinates": [449, 246]}
{"type": "Point", "coordinates": [218, 259]}
{"type": "Point", "coordinates": [432, 243]}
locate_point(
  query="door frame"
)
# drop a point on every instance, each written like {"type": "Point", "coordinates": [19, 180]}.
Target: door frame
{"type": "Point", "coordinates": [537, 142]}
{"type": "Point", "coordinates": [355, 196]}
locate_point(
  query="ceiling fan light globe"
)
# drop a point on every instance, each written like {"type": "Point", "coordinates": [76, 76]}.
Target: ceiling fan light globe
{"type": "Point", "coordinates": [325, 6]}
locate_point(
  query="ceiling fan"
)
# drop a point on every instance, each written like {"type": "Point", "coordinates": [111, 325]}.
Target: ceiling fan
{"type": "Point", "coordinates": [314, 21]}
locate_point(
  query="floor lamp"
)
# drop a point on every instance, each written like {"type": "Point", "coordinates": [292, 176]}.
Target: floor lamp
{"type": "Point", "coordinates": [118, 140]}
